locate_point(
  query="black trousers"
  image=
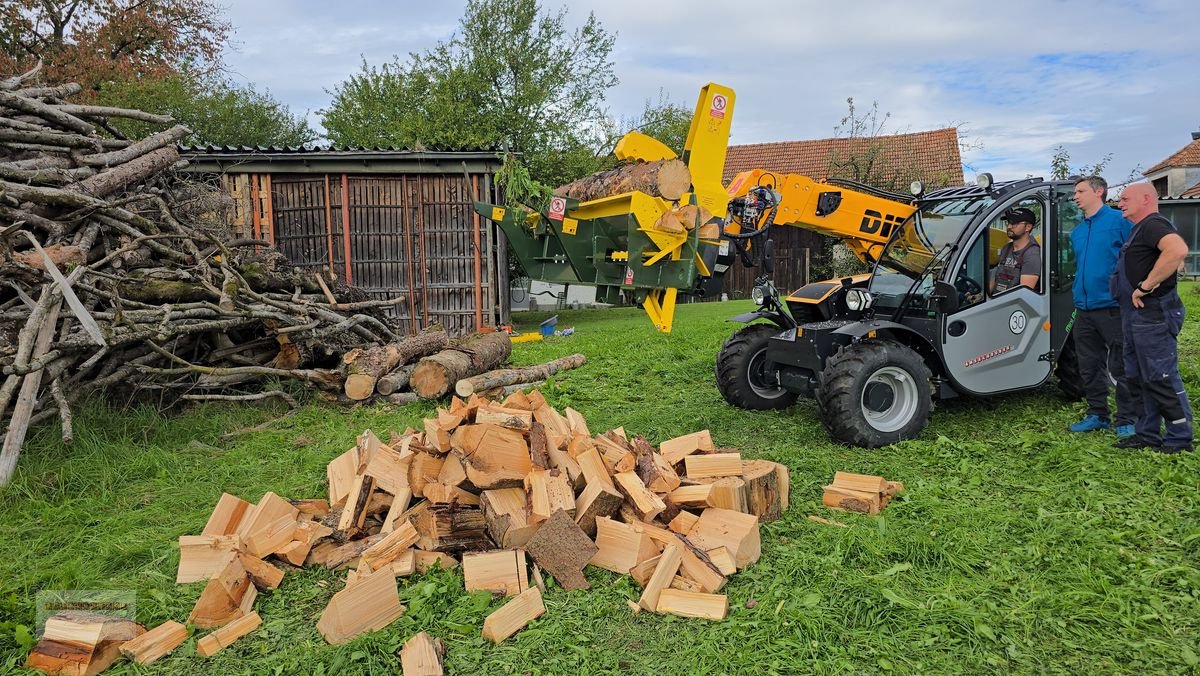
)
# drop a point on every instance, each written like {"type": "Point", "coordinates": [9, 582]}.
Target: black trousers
{"type": "Point", "coordinates": [1099, 349]}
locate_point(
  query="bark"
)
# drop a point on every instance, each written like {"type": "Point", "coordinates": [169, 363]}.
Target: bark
{"type": "Point", "coordinates": [365, 369]}
{"type": "Point", "coordinates": [131, 173]}
{"type": "Point", "coordinates": [668, 179]}
{"type": "Point", "coordinates": [436, 375]}
{"type": "Point", "coordinates": [395, 381]}
{"type": "Point", "coordinates": [514, 376]}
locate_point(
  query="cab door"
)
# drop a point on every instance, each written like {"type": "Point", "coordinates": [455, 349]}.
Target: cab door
{"type": "Point", "coordinates": [997, 342]}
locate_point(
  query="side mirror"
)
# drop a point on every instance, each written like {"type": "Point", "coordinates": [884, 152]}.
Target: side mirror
{"type": "Point", "coordinates": [945, 297]}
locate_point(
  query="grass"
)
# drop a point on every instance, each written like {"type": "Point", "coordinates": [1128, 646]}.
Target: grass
{"type": "Point", "coordinates": [1017, 548]}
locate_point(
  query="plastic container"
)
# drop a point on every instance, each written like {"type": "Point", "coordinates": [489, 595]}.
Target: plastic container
{"type": "Point", "coordinates": [549, 325]}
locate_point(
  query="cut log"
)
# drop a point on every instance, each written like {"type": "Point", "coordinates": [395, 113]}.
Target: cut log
{"type": "Point", "coordinates": [502, 572]}
{"type": "Point", "coordinates": [227, 596]}
{"type": "Point", "coordinates": [668, 179]}
{"type": "Point", "coordinates": [363, 372]}
{"type": "Point", "coordinates": [75, 642]}
{"type": "Point", "coordinates": [227, 515]}
{"type": "Point", "coordinates": [225, 636]}
{"type": "Point", "coordinates": [155, 643]}
{"type": "Point", "coordinates": [370, 604]}
{"type": "Point", "coordinates": [851, 501]}
{"type": "Point", "coordinates": [597, 499]}
{"type": "Point", "coordinates": [646, 504]}
{"type": "Point", "coordinates": [762, 489]}
{"type": "Point", "coordinates": [507, 515]}
{"type": "Point", "coordinates": [436, 375]}
{"type": "Point", "coordinates": [395, 381]}
{"type": "Point", "coordinates": [451, 528]}
{"type": "Point", "coordinates": [620, 547]}
{"type": "Point", "coordinates": [691, 604]}
{"type": "Point", "coordinates": [729, 493]}
{"type": "Point", "coordinates": [562, 549]}
{"type": "Point", "coordinates": [725, 528]}
{"type": "Point", "coordinates": [516, 376]}
{"type": "Point", "coordinates": [203, 556]}
{"type": "Point", "coordinates": [422, 656]}
{"type": "Point", "coordinates": [713, 465]}
{"type": "Point", "coordinates": [513, 616]}
{"type": "Point", "coordinates": [548, 491]}
{"type": "Point", "coordinates": [664, 572]}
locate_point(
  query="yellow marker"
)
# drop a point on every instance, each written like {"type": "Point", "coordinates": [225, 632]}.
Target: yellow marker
{"type": "Point", "coordinates": [570, 226]}
{"type": "Point", "coordinates": [497, 213]}
{"type": "Point", "coordinates": [526, 338]}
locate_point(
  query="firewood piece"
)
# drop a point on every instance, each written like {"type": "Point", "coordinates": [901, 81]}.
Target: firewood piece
{"type": "Point", "coordinates": [224, 598]}
{"type": "Point", "coordinates": [439, 492]}
{"type": "Point", "coordinates": [783, 480]}
{"type": "Point", "coordinates": [451, 528]}
{"type": "Point", "coordinates": [633, 606]}
{"type": "Point", "coordinates": [698, 495]}
{"type": "Point", "coordinates": [664, 572]}
{"type": "Point", "coordinates": [437, 435]}
{"type": "Point", "coordinates": [452, 472]}
{"type": "Point", "coordinates": [683, 584]}
{"type": "Point", "coordinates": [539, 449]}
{"type": "Point", "coordinates": [424, 468]}
{"type": "Point", "coordinates": [668, 179]}
{"type": "Point", "coordinates": [262, 574]}
{"type": "Point", "coordinates": [726, 528]}
{"type": "Point", "coordinates": [391, 546]}
{"type": "Point", "coordinates": [500, 572]}
{"type": "Point", "coordinates": [729, 493]}
{"type": "Point", "coordinates": [493, 456]}
{"type": "Point", "coordinates": [558, 431]}
{"type": "Point", "coordinates": [504, 417]}
{"type": "Point", "coordinates": [342, 472]}
{"type": "Point", "coordinates": [723, 560]}
{"type": "Point", "coordinates": [315, 508]}
{"type": "Point", "coordinates": [339, 556]}
{"type": "Point", "coordinates": [426, 560]}
{"type": "Point", "coordinates": [364, 372]}
{"type": "Point", "coordinates": [675, 450]}
{"type": "Point", "coordinates": [405, 563]}
{"type": "Point", "coordinates": [370, 604]}
{"type": "Point", "coordinates": [516, 376]}
{"type": "Point", "coordinates": [691, 604]}
{"type": "Point", "coordinates": [593, 468]}
{"type": "Point", "coordinates": [267, 527]}
{"type": "Point", "coordinates": [655, 472]}
{"type": "Point", "coordinates": [646, 504]}
{"type": "Point", "coordinates": [354, 513]}
{"type": "Point", "coordinates": [75, 642]}
{"type": "Point", "coordinates": [683, 523]}
{"type": "Point", "coordinates": [762, 489]}
{"type": "Point", "coordinates": [695, 566]}
{"type": "Point", "coordinates": [851, 501]}
{"type": "Point", "coordinates": [437, 374]}
{"type": "Point", "coordinates": [398, 507]}
{"type": "Point", "coordinates": [643, 571]}
{"type": "Point", "coordinates": [227, 515]}
{"type": "Point", "coordinates": [713, 465]}
{"type": "Point", "coordinates": [506, 512]}
{"type": "Point", "coordinates": [225, 636]}
{"type": "Point", "coordinates": [389, 468]}
{"type": "Point", "coordinates": [862, 483]}
{"type": "Point", "coordinates": [562, 549]}
{"type": "Point", "coordinates": [155, 643]}
{"type": "Point", "coordinates": [203, 556]}
{"type": "Point", "coordinates": [513, 616]}
{"type": "Point", "coordinates": [548, 492]}
{"type": "Point", "coordinates": [893, 489]}
{"type": "Point", "coordinates": [422, 656]}
{"type": "Point", "coordinates": [597, 499]}
{"type": "Point", "coordinates": [620, 547]}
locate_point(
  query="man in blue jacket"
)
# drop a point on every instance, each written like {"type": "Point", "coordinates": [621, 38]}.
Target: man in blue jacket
{"type": "Point", "coordinates": [1097, 241]}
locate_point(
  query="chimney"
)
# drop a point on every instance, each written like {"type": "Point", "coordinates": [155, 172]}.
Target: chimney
{"type": "Point", "coordinates": [1196, 136]}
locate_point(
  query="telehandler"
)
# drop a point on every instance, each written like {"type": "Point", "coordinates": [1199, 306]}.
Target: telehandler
{"type": "Point", "coordinates": [872, 349]}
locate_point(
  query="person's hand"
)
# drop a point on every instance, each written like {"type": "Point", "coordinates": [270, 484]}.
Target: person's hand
{"type": "Point", "coordinates": [1136, 298]}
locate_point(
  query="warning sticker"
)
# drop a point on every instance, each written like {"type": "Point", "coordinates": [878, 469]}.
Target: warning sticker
{"type": "Point", "coordinates": [497, 214]}
{"type": "Point", "coordinates": [628, 275]}
{"type": "Point", "coordinates": [719, 103]}
{"type": "Point", "coordinates": [570, 226]}
{"type": "Point", "coordinates": [558, 207]}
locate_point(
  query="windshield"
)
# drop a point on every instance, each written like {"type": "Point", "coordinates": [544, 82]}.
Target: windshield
{"type": "Point", "coordinates": [915, 245]}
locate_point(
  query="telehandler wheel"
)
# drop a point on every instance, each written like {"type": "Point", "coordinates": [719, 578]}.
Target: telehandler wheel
{"type": "Point", "coordinates": [1067, 371]}
{"type": "Point", "coordinates": [874, 393]}
{"type": "Point", "coordinates": [740, 371]}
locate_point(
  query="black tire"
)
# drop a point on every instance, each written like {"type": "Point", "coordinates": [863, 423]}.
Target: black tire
{"type": "Point", "coordinates": [1067, 371]}
{"type": "Point", "coordinates": [739, 371]}
{"type": "Point", "coordinates": [875, 393]}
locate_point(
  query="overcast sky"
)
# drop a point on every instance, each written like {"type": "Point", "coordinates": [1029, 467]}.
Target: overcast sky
{"type": "Point", "coordinates": [1016, 77]}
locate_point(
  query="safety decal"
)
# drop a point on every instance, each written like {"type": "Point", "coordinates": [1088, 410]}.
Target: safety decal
{"type": "Point", "coordinates": [497, 214]}
{"type": "Point", "coordinates": [558, 207]}
{"type": "Point", "coordinates": [628, 275]}
{"type": "Point", "coordinates": [984, 357]}
{"type": "Point", "coordinates": [719, 103]}
{"type": "Point", "coordinates": [1017, 322]}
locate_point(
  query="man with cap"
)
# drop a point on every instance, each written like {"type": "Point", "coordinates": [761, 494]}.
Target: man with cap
{"type": "Point", "coordinates": [1021, 258]}
{"type": "Point", "coordinates": [1096, 329]}
{"type": "Point", "coordinates": [1152, 314]}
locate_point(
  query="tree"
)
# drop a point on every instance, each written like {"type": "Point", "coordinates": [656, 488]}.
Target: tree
{"type": "Point", "coordinates": [664, 120]}
{"type": "Point", "coordinates": [95, 41]}
{"type": "Point", "coordinates": [217, 111]}
{"type": "Point", "coordinates": [513, 77]}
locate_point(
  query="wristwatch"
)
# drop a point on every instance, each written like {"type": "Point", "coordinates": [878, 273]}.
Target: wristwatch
{"type": "Point", "coordinates": [1139, 288]}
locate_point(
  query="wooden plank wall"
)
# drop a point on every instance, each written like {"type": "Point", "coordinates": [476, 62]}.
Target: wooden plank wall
{"type": "Point", "coordinates": [793, 247]}
{"type": "Point", "coordinates": [414, 236]}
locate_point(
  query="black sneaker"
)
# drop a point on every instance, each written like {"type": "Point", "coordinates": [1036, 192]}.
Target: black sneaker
{"type": "Point", "coordinates": [1172, 450]}
{"type": "Point", "coordinates": [1136, 442]}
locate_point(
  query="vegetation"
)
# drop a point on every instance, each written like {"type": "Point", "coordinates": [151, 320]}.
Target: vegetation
{"type": "Point", "coordinates": [1017, 548]}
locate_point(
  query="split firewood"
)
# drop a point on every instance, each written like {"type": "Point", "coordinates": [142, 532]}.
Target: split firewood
{"type": "Point", "coordinates": [370, 604]}
{"type": "Point", "coordinates": [365, 367]}
{"type": "Point", "coordinates": [502, 572]}
{"type": "Point", "coordinates": [155, 643]}
{"type": "Point", "coordinates": [436, 375]}
{"type": "Point", "coordinates": [668, 179]}
{"type": "Point", "coordinates": [562, 549]}
{"type": "Point", "coordinates": [514, 615]}
{"type": "Point", "coordinates": [515, 376]}
{"type": "Point", "coordinates": [422, 656]}
{"type": "Point", "coordinates": [227, 596]}
{"type": "Point", "coordinates": [76, 642]}
{"type": "Point", "coordinates": [224, 637]}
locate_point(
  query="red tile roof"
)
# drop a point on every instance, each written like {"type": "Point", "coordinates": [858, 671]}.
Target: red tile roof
{"type": "Point", "coordinates": [1193, 191]}
{"type": "Point", "coordinates": [1187, 156]}
{"type": "Point", "coordinates": [931, 156]}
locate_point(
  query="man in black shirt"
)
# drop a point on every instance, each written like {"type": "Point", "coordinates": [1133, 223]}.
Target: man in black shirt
{"type": "Point", "coordinates": [1151, 316]}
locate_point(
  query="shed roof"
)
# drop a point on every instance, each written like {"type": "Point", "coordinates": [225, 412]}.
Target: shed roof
{"type": "Point", "coordinates": [336, 159]}
{"type": "Point", "coordinates": [1187, 156]}
{"type": "Point", "coordinates": [931, 155]}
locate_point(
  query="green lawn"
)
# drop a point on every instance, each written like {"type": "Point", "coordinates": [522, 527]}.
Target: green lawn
{"type": "Point", "coordinates": [1017, 548]}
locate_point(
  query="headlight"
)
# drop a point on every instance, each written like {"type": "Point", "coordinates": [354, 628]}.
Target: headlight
{"type": "Point", "coordinates": [858, 300]}
{"type": "Point", "coordinates": [916, 188]}
{"type": "Point", "coordinates": [758, 294]}
{"type": "Point", "coordinates": [984, 181]}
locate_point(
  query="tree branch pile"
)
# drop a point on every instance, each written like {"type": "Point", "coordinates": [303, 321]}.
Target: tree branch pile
{"type": "Point", "coordinates": [118, 272]}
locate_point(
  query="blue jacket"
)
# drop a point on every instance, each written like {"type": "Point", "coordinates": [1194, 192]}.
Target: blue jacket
{"type": "Point", "coordinates": [1097, 242]}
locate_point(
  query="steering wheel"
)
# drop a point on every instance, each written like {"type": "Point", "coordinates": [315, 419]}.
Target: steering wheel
{"type": "Point", "coordinates": [968, 289]}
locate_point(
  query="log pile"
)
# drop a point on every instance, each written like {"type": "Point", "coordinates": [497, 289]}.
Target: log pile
{"type": "Point", "coordinates": [863, 493]}
{"type": "Point", "coordinates": [504, 490]}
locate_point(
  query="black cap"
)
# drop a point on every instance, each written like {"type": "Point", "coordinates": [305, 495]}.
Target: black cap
{"type": "Point", "coordinates": [1020, 215]}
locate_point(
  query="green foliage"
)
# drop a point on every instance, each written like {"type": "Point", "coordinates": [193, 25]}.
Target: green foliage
{"type": "Point", "coordinates": [663, 120]}
{"type": "Point", "coordinates": [1060, 165]}
{"type": "Point", "coordinates": [217, 110]}
{"type": "Point", "coordinates": [1017, 548]}
{"type": "Point", "coordinates": [514, 77]}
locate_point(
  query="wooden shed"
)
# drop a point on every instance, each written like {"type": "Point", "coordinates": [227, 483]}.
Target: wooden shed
{"type": "Point", "coordinates": [392, 222]}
